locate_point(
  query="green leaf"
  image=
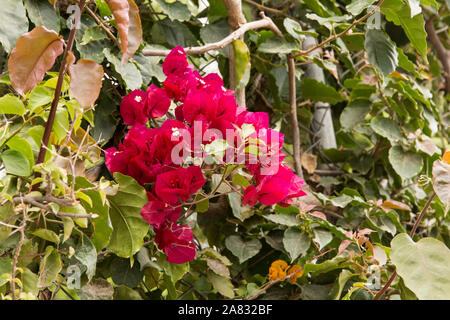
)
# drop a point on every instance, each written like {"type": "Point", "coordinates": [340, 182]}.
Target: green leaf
{"type": "Point", "coordinates": [46, 234]}
{"type": "Point", "coordinates": [68, 227]}
{"type": "Point", "coordinates": [404, 62]}
{"type": "Point", "coordinates": [381, 51]}
{"type": "Point", "coordinates": [13, 23]}
{"type": "Point", "coordinates": [175, 271]}
{"type": "Point", "coordinates": [42, 13]}
{"type": "Point", "coordinates": [23, 146]}
{"type": "Point", "coordinates": [10, 104]}
{"type": "Point", "coordinates": [129, 229]}
{"type": "Point", "coordinates": [318, 91]}
{"type": "Point", "coordinates": [175, 10]}
{"type": "Point", "coordinates": [296, 242]}
{"type": "Point", "coordinates": [40, 96]}
{"type": "Point", "coordinates": [61, 124]}
{"type": "Point", "coordinates": [5, 268]}
{"type": "Point", "coordinates": [293, 28]}
{"type": "Point", "coordinates": [214, 32]}
{"type": "Point", "coordinates": [322, 237]}
{"type": "Point", "coordinates": [221, 284]}
{"type": "Point", "coordinates": [29, 281]}
{"type": "Point", "coordinates": [396, 12]}
{"type": "Point", "coordinates": [354, 113]}
{"type": "Point", "coordinates": [407, 164]}
{"type": "Point", "coordinates": [16, 163]}
{"type": "Point", "coordinates": [277, 45]}
{"type": "Point", "coordinates": [284, 219]}
{"type": "Point", "coordinates": [441, 182]}
{"type": "Point", "coordinates": [330, 22]}
{"type": "Point", "coordinates": [102, 225]}
{"type": "Point", "coordinates": [344, 276]}
{"type": "Point", "coordinates": [358, 6]}
{"type": "Point", "coordinates": [92, 34]}
{"type": "Point", "coordinates": [243, 250]}
{"type": "Point", "coordinates": [424, 266]}
{"type": "Point", "coordinates": [124, 293]}
{"type": "Point", "coordinates": [49, 267]}
{"type": "Point", "coordinates": [123, 273]}
{"type": "Point", "coordinates": [129, 72]}
{"type": "Point", "coordinates": [218, 267]}
{"type": "Point", "coordinates": [86, 254]}
{"type": "Point", "coordinates": [387, 128]}
{"type": "Point", "coordinates": [77, 209]}
{"type": "Point", "coordinates": [241, 62]}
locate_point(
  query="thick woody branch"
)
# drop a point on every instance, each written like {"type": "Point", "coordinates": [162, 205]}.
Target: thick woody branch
{"type": "Point", "coordinates": [265, 22]}
{"type": "Point", "coordinates": [441, 51]}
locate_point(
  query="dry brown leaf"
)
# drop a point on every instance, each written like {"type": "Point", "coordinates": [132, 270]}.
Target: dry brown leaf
{"type": "Point", "coordinates": [86, 81]}
{"type": "Point", "coordinates": [134, 32]}
{"type": "Point", "coordinates": [34, 54]}
{"type": "Point", "coordinates": [309, 162]}
{"type": "Point", "coordinates": [120, 10]}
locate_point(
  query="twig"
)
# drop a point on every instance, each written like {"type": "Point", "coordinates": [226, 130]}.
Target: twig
{"type": "Point", "coordinates": [102, 25]}
{"type": "Point", "coordinates": [293, 111]}
{"type": "Point", "coordinates": [36, 201]}
{"type": "Point", "coordinates": [413, 230]}
{"type": "Point", "coordinates": [338, 35]}
{"type": "Point", "coordinates": [51, 116]}
{"type": "Point", "coordinates": [265, 22]}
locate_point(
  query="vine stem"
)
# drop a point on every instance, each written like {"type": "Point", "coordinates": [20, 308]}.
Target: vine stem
{"type": "Point", "coordinates": [413, 231]}
{"type": "Point", "coordinates": [62, 71]}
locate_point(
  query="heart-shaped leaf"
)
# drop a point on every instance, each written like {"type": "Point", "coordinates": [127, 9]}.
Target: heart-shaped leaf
{"type": "Point", "coordinates": [244, 250]}
{"type": "Point", "coordinates": [424, 266]}
{"type": "Point", "coordinates": [406, 163]}
{"type": "Point", "coordinates": [295, 242]}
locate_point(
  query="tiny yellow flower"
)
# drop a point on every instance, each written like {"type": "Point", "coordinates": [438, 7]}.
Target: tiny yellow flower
{"type": "Point", "coordinates": [446, 157]}
{"type": "Point", "coordinates": [298, 273]}
{"type": "Point", "coordinates": [278, 270]}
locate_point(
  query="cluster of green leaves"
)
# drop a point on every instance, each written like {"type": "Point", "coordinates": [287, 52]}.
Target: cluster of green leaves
{"type": "Point", "coordinates": [391, 121]}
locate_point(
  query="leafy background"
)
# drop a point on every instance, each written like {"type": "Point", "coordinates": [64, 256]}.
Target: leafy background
{"type": "Point", "coordinates": [371, 118]}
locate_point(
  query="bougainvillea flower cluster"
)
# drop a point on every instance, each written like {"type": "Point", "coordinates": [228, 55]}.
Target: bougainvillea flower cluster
{"type": "Point", "coordinates": [150, 155]}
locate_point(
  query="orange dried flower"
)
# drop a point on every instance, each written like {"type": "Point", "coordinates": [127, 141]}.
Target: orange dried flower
{"type": "Point", "coordinates": [277, 270]}
{"type": "Point", "coordinates": [298, 273]}
{"type": "Point", "coordinates": [446, 157]}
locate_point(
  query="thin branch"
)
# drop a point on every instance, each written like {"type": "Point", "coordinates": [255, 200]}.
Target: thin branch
{"type": "Point", "coordinates": [37, 202]}
{"type": "Point", "coordinates": [413, 230]}
{"type": "Point", "coordinates": [102, 25]}
{"type": "Point", "coordinates": [52, 114]}
{"type": "Point", "coordinates": [338, 35]}
{"type": "Point", "coordinates": [294, 119]}
{"type": "Point", "coordinates": [265, 22]}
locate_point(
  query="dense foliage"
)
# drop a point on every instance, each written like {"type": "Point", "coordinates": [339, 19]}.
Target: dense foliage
{"type": "Point", "coordinates": [320, 171]}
